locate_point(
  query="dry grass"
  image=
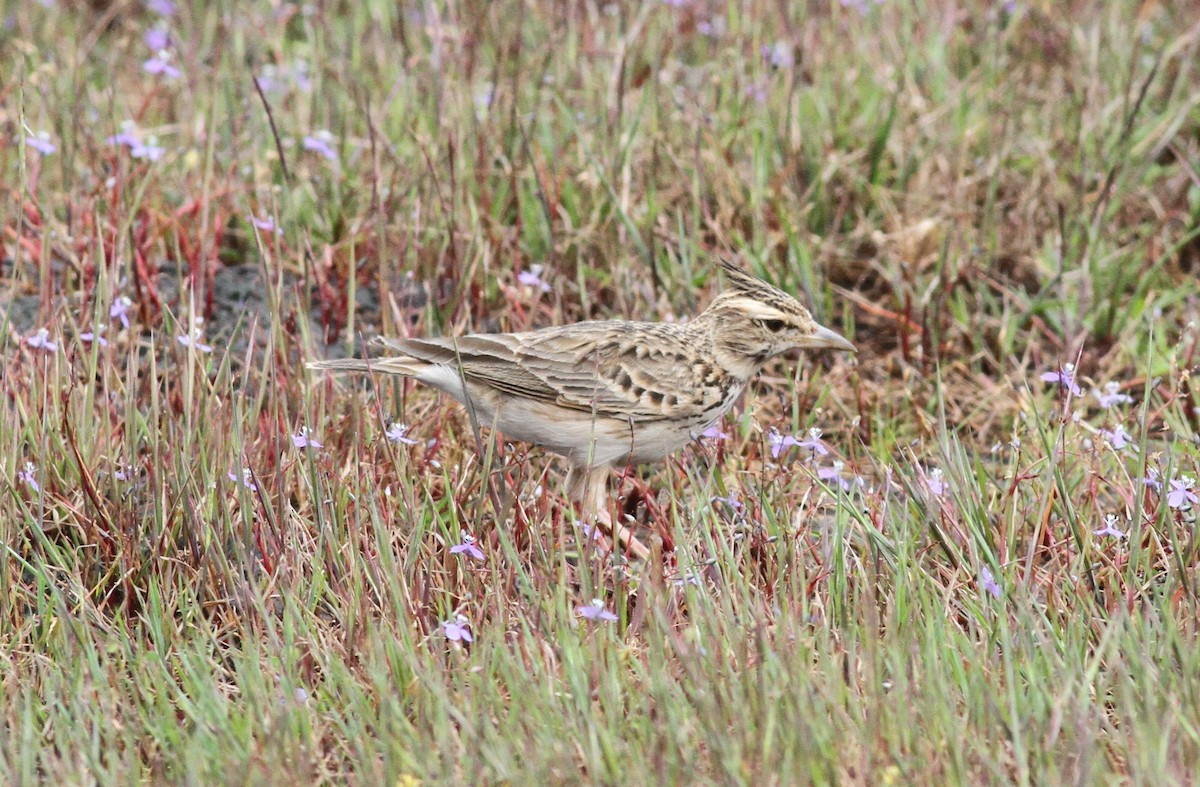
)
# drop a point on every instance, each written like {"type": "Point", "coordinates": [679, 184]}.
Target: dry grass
{"type": "Point", "coordinates": [977, 196]}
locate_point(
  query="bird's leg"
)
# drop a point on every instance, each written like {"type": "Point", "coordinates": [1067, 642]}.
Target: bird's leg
{"type": "Point", "coordinates": [588, 486]}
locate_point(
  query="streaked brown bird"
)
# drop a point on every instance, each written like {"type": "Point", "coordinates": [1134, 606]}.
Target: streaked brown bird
{"type": "Point", "coordinates": [611, 392]}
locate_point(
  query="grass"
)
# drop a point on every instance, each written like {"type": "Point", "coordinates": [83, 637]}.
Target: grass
{"type": "Point", "coordinates": [976, 195]}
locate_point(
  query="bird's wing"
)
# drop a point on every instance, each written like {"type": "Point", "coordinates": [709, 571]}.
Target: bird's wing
{"type": "Point", "coordinates": [485, 359]}
{"type": "Point", "coordinates": [609, 369]}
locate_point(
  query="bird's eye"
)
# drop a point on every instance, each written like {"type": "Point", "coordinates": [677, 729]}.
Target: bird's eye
{"type": "Point", "coordinates": [774, 325]}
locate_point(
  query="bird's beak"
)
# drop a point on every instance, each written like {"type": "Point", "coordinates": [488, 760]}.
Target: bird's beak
{"type": "Point", "coordinates": [823, 338]}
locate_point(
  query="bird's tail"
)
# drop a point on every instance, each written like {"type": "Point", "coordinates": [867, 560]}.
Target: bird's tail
{"type": "Point", "coordinates": [341, 365]}
{"type": "Point", "coordinates": [405, 366]}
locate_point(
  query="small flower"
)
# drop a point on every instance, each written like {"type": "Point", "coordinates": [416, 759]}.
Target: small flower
{"type": "Point", "coordinates": [302, 440]}
{"type": "Point", "coordinates": [936, 483]}
{"type": "Point", "coordinates": [120, 310]}
{"type": "Point", "coordinates": [319, 142]}
{"type": "Point", "coordinates": [779, 55]}
{"type": "Point", "coordinates": [139, 149]}
{"type": "Point", "coordinates": [94, 336]}
{"type": "Point", "coordinates": [246, 479]}
{"type": "Point", "coordinates": [813, 443]}
{"type": "Point", "coordinates": [28, 476]}
{"type": "Point", "coordinates": [1118, 438]}
{"type": "Point", "coordinates": [862, 6]}
{"type": "Point", "coordinates": [483, 99]}
{"type": "Point", "coordinates": [157, 38]}
{"type": "Point", "coordinates": [1110, 528]}
{"type": "Point", "coordinates": [42, 341]}
{"type": "Point", "coordinates": [161, 7]}
{"type": "Point", "coordinates": [533, 278]}
{"type": "Point", "coordinates": [160, 64]}
{"type": "Point", "coordinates": [124, 472]}
{"type": "Point", "coordinates": [757, 91]}
{"type": "Point", "coordinates": [1111, 396]}
{"type": "Point", "coordinates": [595, 611]}
{"type": "Point", "coordinates": [1065, 378]}
{"type": "Point", "coordinates": [41, 143]}
{"type": "Point", "coordinates": [779, 442]}
{"type": "Point", "coordinates": [1153, 480]}
{"type": "Point", "coordinates": [150, 150]}
{"type": "Point", "coordinates": [299, 74]}
{"type": "Point", "coordinates": [833, 475]}
{"type": "Point", "coordinates": [590, 533]}
{"type": "Point", "coordinates": [193, 341]}
{"type": "Point", "coordinates": [1181, 493]}
{"type": "Point", "coordinates": [988, 583]}
{"type": "Point", "coordinates": [265, 224]}
{"type": "Point", "coordinates": [714, 432]}
{"type": "Point", "coordinates": [730, 500]}
{"type": "Point", "coordinates": [467, 547]}
{"type": "Point", "coordinates": [397, 434]}
{"type": "Point", "coordinates": [458, 629]}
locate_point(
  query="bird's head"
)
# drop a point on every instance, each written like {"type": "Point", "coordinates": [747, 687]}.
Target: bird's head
{"type": "Point", "coordinates": [753, 322]}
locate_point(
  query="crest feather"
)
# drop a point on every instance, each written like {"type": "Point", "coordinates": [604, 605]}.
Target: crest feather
{"type": "Point", "coordinates": [746, 282]}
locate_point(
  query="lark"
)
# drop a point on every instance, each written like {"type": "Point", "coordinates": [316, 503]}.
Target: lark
{"type": "Point", "coordinates": [610, 393]}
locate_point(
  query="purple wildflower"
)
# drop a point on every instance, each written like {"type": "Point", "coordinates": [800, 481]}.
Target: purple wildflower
{"type": "Point", "coordinates": [533, 278]}
{"type": "Point", "coordinates": [1153, 480]}
{"type": "Point", "coordinates": [42, 341]}
{"type": "Point", "coordinates": [265, 224]}
{"type": "Point", "coordinates": [160, 64]}
{"type": "Point", "coordinates": [833, 475]}
{"type": "Point", "coordinates": [1118, 438]}
{"type": "Point", "coordinates": [302, 440]}
{"type": "Point", "coordinates": [779, 55]}
{"type": "Point", "coordinates": [813, 443]}
{"type": "Point", "coordinates": [779, 442]}
{"type": "Point", "coordinates": [120, 310]}
{"type": "Point", "coordinates": [595, 611]}
{"type": "Point", "coordinates": [193, 341]}
{"type": "Point", "coordinates": [157, 39]}
{"type": "Point", "coordinates": [1110, 528]}
{"type": "Point", "coordinates": [714, 432]}
{"type": "Point", "coordinates": [161, 7]}
{"type": "Point", "coordinates": [124, 472]}
{"type": "Point", "coordinates": [458, 630]}
{"type": "Point", "coordinates": [988, 583]}
{"type": "Point", "coordinates": [937, 483]}
{"type": "Point", "coordinates": [319, 142]}
{"type": "Point", "coordinates": [590, 533]}
{"type": "Point", "coordinates": [1111, 396]}
{"type": "Point", "coordinates": [139, 149]}
{"type": "Point", "coordinates": [861, 6]}
{"type": "Point", "coordinates": [757, 91]}
{"type": "Point", "coordinates": [246, 479]}
{"type": "Point", "coordinates": [730, 500]}
{"type": "Point", "coordinates": [41, 143]}
{"type": "Point", "coordinates": [468, 548]}
{"type": "Point", "coordinates": [94, 336]}
{"type": "Point", "coordinates": [397, 433]}
{"type": "Point", "coordinates": [1064, 378]}
{"type": "Point", "coordinates": [299, 74]}
{"type": "Point", "coordinates": [28, 476]}
{"type": "Point", "coordinates": [146, 150]}
{"type": "Point", "coordinates": [1181, 493]}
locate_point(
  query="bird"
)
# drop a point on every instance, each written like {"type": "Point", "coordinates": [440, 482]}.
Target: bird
{"type": "Point", "coordinates": [608, 393]}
